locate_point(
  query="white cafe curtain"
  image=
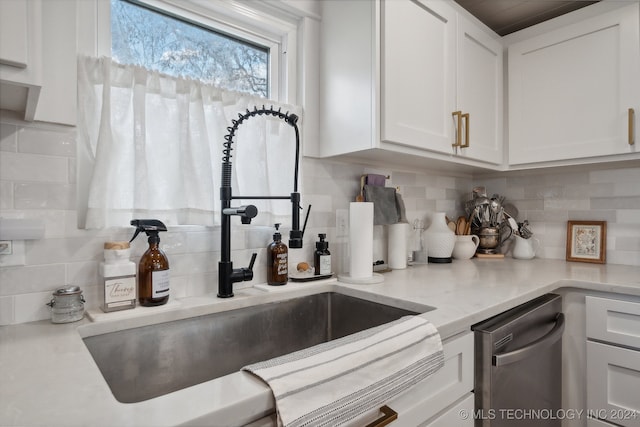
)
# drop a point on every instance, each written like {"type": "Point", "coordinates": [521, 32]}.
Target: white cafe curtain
{"type": "Point", "coordinates": [154, 147]}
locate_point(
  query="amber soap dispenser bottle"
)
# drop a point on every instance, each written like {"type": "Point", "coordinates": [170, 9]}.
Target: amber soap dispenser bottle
{"type": "Point", "coordinates": [153, 268]}
{"type": "Point", "coordinates": [277, 259]}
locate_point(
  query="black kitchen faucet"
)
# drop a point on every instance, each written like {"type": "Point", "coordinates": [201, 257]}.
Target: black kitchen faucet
{"type": "Point", "coordinates": [227, 275]}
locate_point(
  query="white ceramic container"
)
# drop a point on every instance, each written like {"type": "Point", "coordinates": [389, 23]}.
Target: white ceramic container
{"type": "Point", "coordinates": [440, 239]}
{"type": "Point", "coordinates": [525, 248]}
{"type": "Point", "coordinates": [465, 247]}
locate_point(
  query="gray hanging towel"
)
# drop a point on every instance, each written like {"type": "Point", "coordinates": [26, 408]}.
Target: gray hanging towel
{"type": "Point", "coordinates": [385, 208]}
{"type": "Point", "coordinates": [402, 212]}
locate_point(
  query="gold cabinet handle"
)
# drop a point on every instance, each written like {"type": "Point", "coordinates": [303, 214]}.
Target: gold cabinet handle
{"type": "Point", "coordinates": [458, 114]}
{"type": "Point", "coordinates": [465, 116]}
{"type": "Point", "coordinates": [632, 118]}
{"type": "Point", "coordinates": [388, 416]}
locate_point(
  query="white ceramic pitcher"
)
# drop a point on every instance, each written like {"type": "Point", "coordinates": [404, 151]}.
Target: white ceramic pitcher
{"type": "Point", "coordinates": [525, 248]}
{"type": "Point", "coordinates": [465, 247]}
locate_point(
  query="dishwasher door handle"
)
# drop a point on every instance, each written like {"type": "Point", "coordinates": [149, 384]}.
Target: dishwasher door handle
{"type": "Point", "coordinates": [549, 339]}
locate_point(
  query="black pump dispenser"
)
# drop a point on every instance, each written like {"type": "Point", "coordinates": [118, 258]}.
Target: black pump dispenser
{"type": "Point", "coordinates": [277, 260]}
{"type": "Point", "coordinates": [322, 256]}
{"type": "Point", "coordinates": [277, 237]}
{"type": "Point", "coordinates": [153, 268]}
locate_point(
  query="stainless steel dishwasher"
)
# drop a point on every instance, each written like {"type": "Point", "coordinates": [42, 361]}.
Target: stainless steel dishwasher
{"type": "Point", "coordinates": [518, 365]}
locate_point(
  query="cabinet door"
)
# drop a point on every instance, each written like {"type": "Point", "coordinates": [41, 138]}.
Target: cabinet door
{"type": "Point", "coordinates": [442, 389]}
{"type": "Point", "coordinates": [612, 320]}
{"type": "Point", "coordinates": [417, 74]}
{"type": "Point", "coordinates": [479, 91]}
{"type": "Point", "coordinates": [613, 381]}
{"type": "Point", "coordinates": [14, 26]}
{"type": "Point", "coordinates": [459, 415]}
{"type": "Point", "coordinates": [570, 89]}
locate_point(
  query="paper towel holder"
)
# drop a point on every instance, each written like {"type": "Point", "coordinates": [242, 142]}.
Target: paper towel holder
{"type": "Point", "coordinates": [21, 229]}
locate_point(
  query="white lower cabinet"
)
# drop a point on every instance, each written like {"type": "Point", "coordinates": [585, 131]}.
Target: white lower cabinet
{"type": "Point", "coordinates": [425, 402]}
{"type": "Point", "coordinates": [613, 361]}
{"type": "Point", "coordinates": [442, 400]}
{"type": "Point", "coordinates": [459, 415]}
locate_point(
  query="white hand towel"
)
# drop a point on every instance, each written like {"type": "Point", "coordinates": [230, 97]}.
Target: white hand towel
{"type": "Point", "coordinates": [334, 383]}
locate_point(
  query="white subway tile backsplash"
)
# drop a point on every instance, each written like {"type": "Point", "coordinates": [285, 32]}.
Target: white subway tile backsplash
{"type": "Point", "coordinates": [593, 215]}
{"type": "Point", "coordinates": [7, 310]}
{"type": "Point", "coordinates": [33, 167]}
{"type": "Point", "coordinates": [621, 175]}
{"type": "Point", "coordinates": [586, 191]}
{"type": "Point", "coordinates": [45, 196]}
{"type": "Point", "coordinates": [543, 192]}
{"type": "Point", "coordinates": [33, 306]}
{"type": "Point", "coordinates": [447, 206]}
{"type": "Point", "coordinates": [82, 274]}
{"type": "Point", "coordinates": [6, 195]}
{"type": "Point", "coordinates": [57, 250]}
{"type": "Point", "coordinates": [72, 171]}
{"type": "Point", "coordinates": [546, 216]}
{"type": "Point", "coordinates": [623, 257]}
{"type": "Point", "coordinates": [45, 141]}
{"type": "Point", "coordinates": [195, 263]}
{"type": "Point", "coordinates": [436, 193]}
{"type": "Point", "coordinates": [28, 279]}
{"type": "Point", "coordinates": [403, 178]}
{"type": "Point", "coordinates": [320, 202]}
{"type": "Point", "coordinates": [202, 284]}
{"type": "Point", "coordinates": [8, 137]}
{"type": "Point", "coordinates": [566, 204]}
{"type": "Point", "coordinates": [203, 241]}
{"type": "Point", "coordinates": [624, 188]}
{"type": "Point", "coordinates": [628, 216]}
{"type": "Point", "coordinates": [37, 180]}
{"type": "Point", "coordinates": [615, 202]}
{"type": "Point", "coordinates": [625, 243]}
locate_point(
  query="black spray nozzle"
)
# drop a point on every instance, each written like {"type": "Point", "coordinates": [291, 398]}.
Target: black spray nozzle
{"type": "Point", "coordinates": [149, 226]}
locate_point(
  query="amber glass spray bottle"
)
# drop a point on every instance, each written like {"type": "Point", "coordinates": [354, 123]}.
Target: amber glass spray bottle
{"type": "Point", "coordinates": [153, 268]}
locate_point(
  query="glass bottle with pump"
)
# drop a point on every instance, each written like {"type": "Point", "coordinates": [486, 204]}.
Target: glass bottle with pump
{"type": "Point", "coordinates": [277, 261]}
{"type": "Point", "coordinates": [322, 258]}
{"type": "Point", "coordinates": [153, 268]}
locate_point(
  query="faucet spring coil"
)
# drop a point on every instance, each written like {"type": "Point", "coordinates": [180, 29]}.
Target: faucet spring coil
{"type": "Point", "coordinates": [291, 119]}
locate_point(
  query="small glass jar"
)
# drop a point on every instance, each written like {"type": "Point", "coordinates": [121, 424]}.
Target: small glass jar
{"type": "Point", "coordinates": [67, 305]}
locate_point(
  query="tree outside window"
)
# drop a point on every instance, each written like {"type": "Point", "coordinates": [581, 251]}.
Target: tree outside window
{"type": "Point", "coordinates": [159, 42]}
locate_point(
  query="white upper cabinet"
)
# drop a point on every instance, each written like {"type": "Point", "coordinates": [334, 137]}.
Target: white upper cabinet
{"type": "Point", "coordinates": [479, 92]}
{"type": "Point", "coordinates": [393, 72]}
{"type": "Point", "coordinates": [417, 74]}
{"type": "Point", "coordinates": [20, 55]}
{"type": "Point", "coordinates": [14, 23]}
{"type": "Point", "coordinates": [38, 59]}
{"type": "Point", "coordinates": [571, 90]}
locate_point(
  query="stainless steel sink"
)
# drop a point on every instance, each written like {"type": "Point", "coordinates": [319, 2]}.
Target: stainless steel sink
{"type": "Point", "coordinates": [150, 361]}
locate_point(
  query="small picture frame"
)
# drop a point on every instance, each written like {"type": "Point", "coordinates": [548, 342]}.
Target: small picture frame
{"type": "Point", "coordinates": [587, 241]}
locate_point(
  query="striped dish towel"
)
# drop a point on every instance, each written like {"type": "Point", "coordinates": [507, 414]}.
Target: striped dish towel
{"type": "Point", "coordinates": [334, 383]}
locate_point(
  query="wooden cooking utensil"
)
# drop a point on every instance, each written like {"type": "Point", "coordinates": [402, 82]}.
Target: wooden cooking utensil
{"type": "Point", "coordinates": [461, 225]}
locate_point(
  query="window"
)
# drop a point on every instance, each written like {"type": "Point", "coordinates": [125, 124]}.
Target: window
{"type": "Point", "coordinates": [277, 28]}
{"type": "Point", "coordinates": [157, 41]}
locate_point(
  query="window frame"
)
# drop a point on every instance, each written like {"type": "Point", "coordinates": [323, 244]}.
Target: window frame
{"type": "Point", "coordinates": [239, 20]}
{"type": "Point", "coordinates": [296, 25]}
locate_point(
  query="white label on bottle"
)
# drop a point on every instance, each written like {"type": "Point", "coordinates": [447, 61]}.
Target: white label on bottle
{"type": "Point", "coordinates": [283, 265]}
{"type": "Point", "coordinates": [160, 283]}
{"type": "Point", "coordinates": [325, 264]}
{"type": "Point", "coordinates": [119, 289]}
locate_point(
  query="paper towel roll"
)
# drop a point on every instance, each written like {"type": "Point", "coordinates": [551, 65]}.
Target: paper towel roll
{"type": "Point", "coordinates": [360, 240]}
{"type": "Point", "coordinates": [397, 250]}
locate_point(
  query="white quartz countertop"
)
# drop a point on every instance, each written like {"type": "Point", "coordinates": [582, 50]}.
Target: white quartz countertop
{"type": "Point", "coordinates": [48, 377]}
